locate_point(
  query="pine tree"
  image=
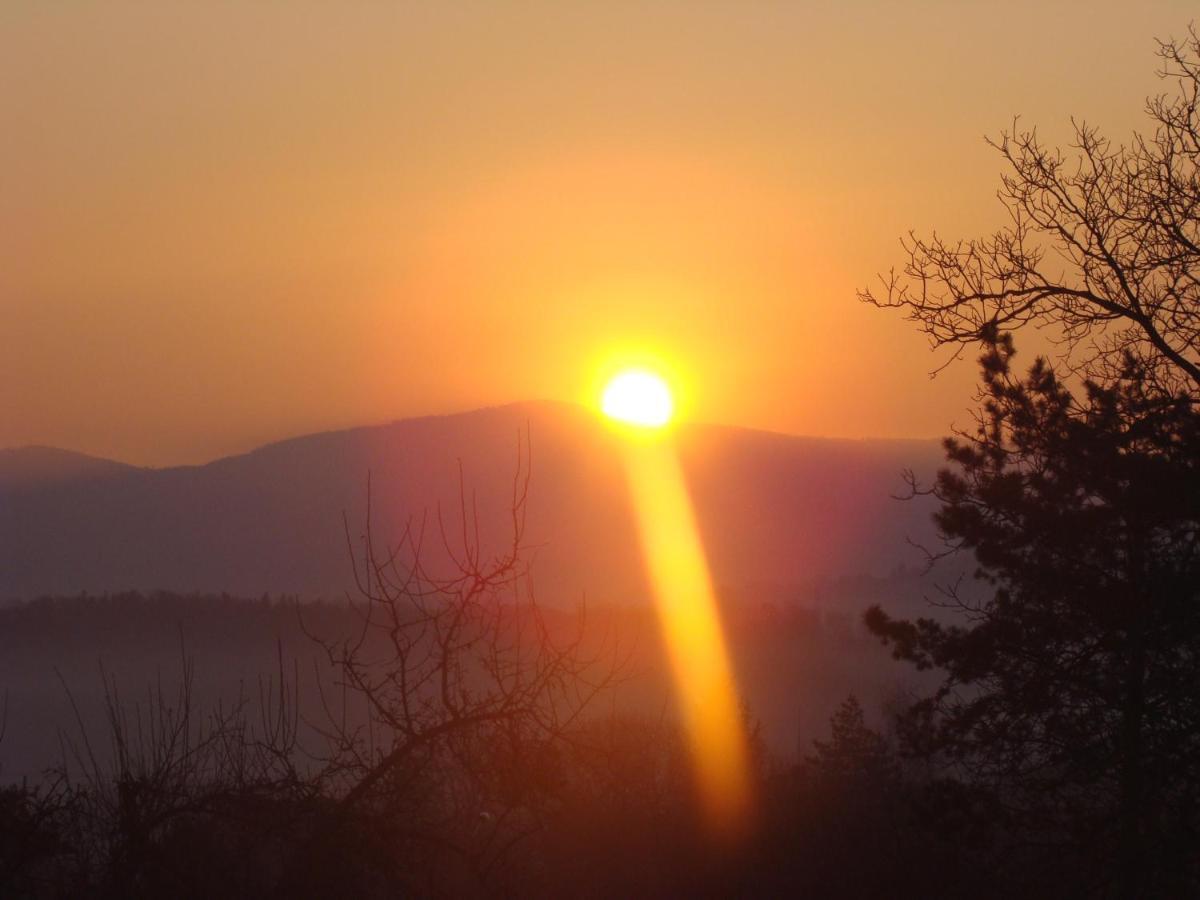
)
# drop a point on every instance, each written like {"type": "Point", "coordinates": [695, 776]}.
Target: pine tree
{"type": "Point", "coordinates": [1074, 686]}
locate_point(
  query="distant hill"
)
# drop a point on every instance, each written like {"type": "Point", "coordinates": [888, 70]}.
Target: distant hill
{"type": "Point", "coordinates": [25, 468]}
{"type": "Point", "coordinates": [773, 509]}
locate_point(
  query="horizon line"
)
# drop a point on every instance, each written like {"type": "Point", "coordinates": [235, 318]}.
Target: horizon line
{"type": "Point", "coordinates": [569, 404]}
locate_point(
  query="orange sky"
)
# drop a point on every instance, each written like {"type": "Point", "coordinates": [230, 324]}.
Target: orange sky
{"type": "Point", "coordinates": [226, 223]}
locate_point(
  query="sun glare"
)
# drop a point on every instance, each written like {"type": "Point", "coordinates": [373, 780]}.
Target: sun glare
{"type": "Point", "coordinates": [691, 626]}
{"type": "Point", "coordinates": [638, 397]}
{"type": "Point", "coordinates": [678, 573]}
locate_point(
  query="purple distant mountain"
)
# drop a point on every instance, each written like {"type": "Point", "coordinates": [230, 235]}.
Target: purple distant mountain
{"type": "Point", "coordinates": [773, 509]}
{"type": "Point", "coordinates": [27, 468]}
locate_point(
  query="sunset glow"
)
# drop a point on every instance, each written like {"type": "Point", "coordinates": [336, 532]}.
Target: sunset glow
{"type": "Point", "coordinates": [638, 397]}
{"type": "Point", "coordinates": [341, 169]}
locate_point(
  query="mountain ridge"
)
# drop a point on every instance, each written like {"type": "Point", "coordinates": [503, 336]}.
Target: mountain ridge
{"type": "Point", "coordinates": [771, 507]}
{"type": "Point", "coordinates": [34, 464]}
{"type": "Point", "coordinates": [512, 405]}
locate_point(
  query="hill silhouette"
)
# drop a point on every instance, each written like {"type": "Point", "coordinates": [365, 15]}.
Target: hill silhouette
{"type": "Point", "coordinates": [25, 468]}
{"type": "Point", "coordinates": [773, 509]}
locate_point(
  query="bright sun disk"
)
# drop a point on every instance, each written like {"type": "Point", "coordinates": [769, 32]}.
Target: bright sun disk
{"type": "Point", "coordinates": [638, 397]}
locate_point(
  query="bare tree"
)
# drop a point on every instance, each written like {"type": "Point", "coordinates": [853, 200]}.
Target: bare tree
{"type": "Point", "coordinates": [1102, 246]}
{"type": "Point", "coordinates": [1069, 684]}
{"type": "Point", "coordinates": [449, 730]}
{"type": "Point", "coordinates": [471, 690]}
{"type": "Point", "coordinates": [169, 769]}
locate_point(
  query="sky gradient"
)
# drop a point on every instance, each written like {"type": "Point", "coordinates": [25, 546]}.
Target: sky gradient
{"type": "Point", "coordinates": [222, 224]}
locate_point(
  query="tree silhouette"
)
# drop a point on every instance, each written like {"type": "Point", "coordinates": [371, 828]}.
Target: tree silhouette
{"type": "Point", "coordinates": [854, 752]}
{"type": "Point", "coordinates": [447, 729]}
{"type": "Point", "coordinates": [1069, 693]}
{"type": "Point", "coordinates": [1103, 246]}
{"type": "Point", "coordinates": [471, 698]}
{"type": "Point", "coordinates": [1071, 689]}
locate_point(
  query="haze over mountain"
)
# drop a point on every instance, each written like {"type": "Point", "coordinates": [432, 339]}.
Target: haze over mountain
{"type": "Point", "coordinates": [774, 510]}
{"type": "Point", "coordinates": [22, 468]}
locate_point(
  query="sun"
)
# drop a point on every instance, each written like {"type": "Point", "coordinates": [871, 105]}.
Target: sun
{"type": "Point", "coordinates": [638, 397]}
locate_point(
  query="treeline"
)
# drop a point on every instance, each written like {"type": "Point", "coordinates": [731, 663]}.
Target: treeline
{"type": "Point", "coordinates": [98, 618]}
{"type": "Point", "coordinates": [468, 743]}
{"type": "Point", "coordinates": [200, 808]}
{"type": "Point", "coordinates": [468, 747]}
{"type": "Point", "coordinates": [825, 608]}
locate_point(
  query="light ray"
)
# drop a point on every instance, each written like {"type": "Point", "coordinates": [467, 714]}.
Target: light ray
{"type": "Point", "coordinates": [688, 616]}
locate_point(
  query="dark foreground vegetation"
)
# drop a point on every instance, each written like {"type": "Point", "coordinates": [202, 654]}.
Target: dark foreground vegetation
{"type": "Point", "coordinates": [507, 788]}
{"type": "Point", "coordinates": [461, 742]}
{"type": "Point", "coordinates": [461, 752]}
{"type": "Point", "coordinates": [605, 812]}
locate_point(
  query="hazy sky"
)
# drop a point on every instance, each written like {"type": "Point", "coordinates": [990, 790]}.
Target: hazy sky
{"type": "Point", "coordinates": [226, 223]}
